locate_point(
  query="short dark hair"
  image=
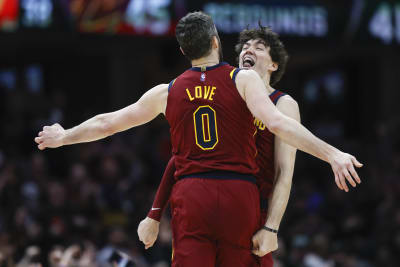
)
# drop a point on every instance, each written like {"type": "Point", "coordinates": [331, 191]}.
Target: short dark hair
{"type": "Point", "coordinates": [194, 33]}
{"type": "Point", "coordinates": [277, 50]}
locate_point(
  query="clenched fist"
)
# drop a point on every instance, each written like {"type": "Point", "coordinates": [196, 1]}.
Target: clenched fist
{"type": "Point", "coordinates": [148, 231]}
{"type": "Point", "coordinates": [51, 137]}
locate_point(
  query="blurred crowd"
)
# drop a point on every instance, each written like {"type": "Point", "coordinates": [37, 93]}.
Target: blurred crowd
{"type": "Point", "coordinates": [75, 205]}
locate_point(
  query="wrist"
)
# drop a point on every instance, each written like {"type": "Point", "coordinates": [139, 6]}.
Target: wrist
{"type": "Point", "coordinates": [272, 230]}
{"type": "Point", "coordinates": [332, 154]}
{"type": "Point", "coordinates": [63, 138]}
{"type": "Point", "coordinates": [154, 215]}
{"type": "Point", "coordinates": [271, 223]}
{"type": "Point", "coordinates": [153, 220]}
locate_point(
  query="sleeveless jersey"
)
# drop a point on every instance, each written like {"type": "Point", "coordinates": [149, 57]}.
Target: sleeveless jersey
{"type": "Point", "coordinates": [265, 153]}
{"type": "Point", "coordinates": [210, 124]}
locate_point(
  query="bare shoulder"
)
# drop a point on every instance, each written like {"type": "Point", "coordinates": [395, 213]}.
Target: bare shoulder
{"type": "Point", "coordinates": [161, 88]}
{"type": "Point", "coordinates": [287, 100]}
{"type": "Point", "coordinates": [288, 106]}
{"type": "Point", "coordinates": [246, 74]}
{"type": "Point", "coordinates": [158, 91]}
{"type": "Point", "coordinates": [244, 78]}
{"type": "Point", "coordinates": [155, 98]}
{"type": "Point", "coordinates": [162, 93]}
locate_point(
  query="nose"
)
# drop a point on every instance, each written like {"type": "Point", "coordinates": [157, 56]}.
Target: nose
{"type": "Point", "coordinates": [250, 50]}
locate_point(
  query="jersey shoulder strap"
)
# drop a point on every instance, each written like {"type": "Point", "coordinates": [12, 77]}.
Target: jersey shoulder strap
{"type": "Point", "coordinates": [171, 84]}
{"type": "Point", "coordinates": [275, 95]}
{"type": "Point", "coordinates": [233, 74]}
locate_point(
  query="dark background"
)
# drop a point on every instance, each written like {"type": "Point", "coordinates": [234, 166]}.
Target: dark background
{"type": "Point", "coordinates": [66, 64]}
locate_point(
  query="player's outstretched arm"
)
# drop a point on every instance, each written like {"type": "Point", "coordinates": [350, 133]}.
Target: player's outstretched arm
{"type": "Point", "coordinates": [253, 91]}
{"type": "Point", "coordinates": [149, 227]}
{"type": "Point", "coordinates": [151, 104]}
{"type": "Point", "coordinates": [284, 159]}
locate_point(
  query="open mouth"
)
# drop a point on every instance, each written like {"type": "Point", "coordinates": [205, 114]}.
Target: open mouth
{"type": "Point", "coordinates": [248, 62]}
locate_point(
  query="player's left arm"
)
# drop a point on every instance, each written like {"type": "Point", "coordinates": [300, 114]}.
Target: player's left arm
{"type": "Point", "coordinates": [151, 104]}
{"type": "Point", "coordinates": [284, 159]}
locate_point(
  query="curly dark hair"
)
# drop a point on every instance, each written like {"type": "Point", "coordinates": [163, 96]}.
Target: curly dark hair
{"type": "Point", "coordinates": [194, 33]}
{"type": "Point", "coordinates": [277, 51]}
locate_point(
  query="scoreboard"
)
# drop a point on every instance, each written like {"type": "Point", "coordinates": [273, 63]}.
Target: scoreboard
{"type": "Point", "coordinates": [385, 23]}
{"type": "Point", "coordinates": [352, 21]}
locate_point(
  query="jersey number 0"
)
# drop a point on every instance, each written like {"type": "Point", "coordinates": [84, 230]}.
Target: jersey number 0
{"type": "Point", "coordinates": [205, 127]}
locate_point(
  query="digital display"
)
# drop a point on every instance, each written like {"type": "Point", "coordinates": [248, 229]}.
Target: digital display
{"type": "Point", "coordinates": [295, 20]}
{"type": "Point", "coordinates": [8, 15]}
{"type": "Point", "coordinates": [36, 13]}
{"type": "Point", "coordinates": [385, 23]}
{"type": "Point", "coordinates": [143, 17]}
{"type": "Point", "coordinates": [350, 21]}
{"type": "Point", "coordinates": [53, 15]}
{"type": "Point", "coordinates": [356, 21]}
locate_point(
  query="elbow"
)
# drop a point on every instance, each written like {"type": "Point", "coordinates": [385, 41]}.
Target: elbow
{"type": "Point", "coordinates": [276, 125]}
{"type": "Point", "coordinates": [104, 125]}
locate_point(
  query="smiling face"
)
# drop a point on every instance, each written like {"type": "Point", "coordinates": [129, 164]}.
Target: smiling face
{"type": "Point", "coordinates": [255, 55]}
{"type": "Point", "coordinates": [261, 50]}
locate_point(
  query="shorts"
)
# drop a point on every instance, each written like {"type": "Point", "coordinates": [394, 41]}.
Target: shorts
{"type": "Point", "coordinates": [213, 222]}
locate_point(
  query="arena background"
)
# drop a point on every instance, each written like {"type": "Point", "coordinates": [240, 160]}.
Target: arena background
{"type": "Point", "coordinates": [67, 60]}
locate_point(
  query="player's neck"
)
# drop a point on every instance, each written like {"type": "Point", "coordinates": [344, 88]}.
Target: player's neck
{"type": "Point", "coordinates": [210, 60]}
{"type": "Point", "coordinates": [266, 80]}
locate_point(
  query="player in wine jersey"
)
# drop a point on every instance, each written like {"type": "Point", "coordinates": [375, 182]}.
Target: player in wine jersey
{"type": "Point", "coordinates": [255, 49]}
{"type": "Point", "coordinates": [149, 227]}
{"type": "Point", "coordinates": [253, 44]}
{"type": "Point", "coordinates": [258, 49]}
{"type": "Point", "coordinates": [214, 202]}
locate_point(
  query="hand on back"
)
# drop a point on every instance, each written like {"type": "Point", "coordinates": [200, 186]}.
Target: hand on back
{"type": "Point", "coordinates": [264, 242]}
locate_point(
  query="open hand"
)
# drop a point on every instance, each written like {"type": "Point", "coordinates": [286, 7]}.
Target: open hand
{"type": "Point", "coordinates": [343, 167]}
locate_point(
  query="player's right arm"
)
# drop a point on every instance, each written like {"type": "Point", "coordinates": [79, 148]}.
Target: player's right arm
{"type": "Point", "coordinates": [164, 191]}
{"type": "Point", "coordinates": [149, 227]}
{"type": "Point", "coordinates": [151, 104]}
{"type": "Point", "coordinates": [252, 89]}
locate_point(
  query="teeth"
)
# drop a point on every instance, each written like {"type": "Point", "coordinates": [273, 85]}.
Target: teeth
{"type": "Point", "coordinates": [248, 61]}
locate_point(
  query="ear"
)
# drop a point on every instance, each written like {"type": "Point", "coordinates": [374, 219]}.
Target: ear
{"type": "Point", "coordinates": [215, 43]}
{"type": "Point", "coordinates": [182, 50]}
{"type": "Point", "coordinates": [273, 66]}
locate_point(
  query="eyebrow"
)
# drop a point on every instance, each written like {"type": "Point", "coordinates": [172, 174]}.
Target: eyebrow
{"type": "Point", "coordinates": [261, 42]}
{"type": "Point", "coordinates": [256, 43]}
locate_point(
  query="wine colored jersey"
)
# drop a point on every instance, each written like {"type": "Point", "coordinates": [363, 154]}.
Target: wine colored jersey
{"type": "Point", "coordinates": [265, 153]}
{"type": "Point", "coordinates": [265, 158]}
{"type": "Point", "coordinates": [210, 124]}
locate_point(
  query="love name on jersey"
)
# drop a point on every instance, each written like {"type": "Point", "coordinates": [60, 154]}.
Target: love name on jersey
{"type": "Point", "coordinates": [204, 92]}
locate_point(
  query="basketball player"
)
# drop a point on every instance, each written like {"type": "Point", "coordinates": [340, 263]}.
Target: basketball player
{"type": "Point", "coordinates": [209, 108]}
{"type": "Point", "coordinates": [257, 49]}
